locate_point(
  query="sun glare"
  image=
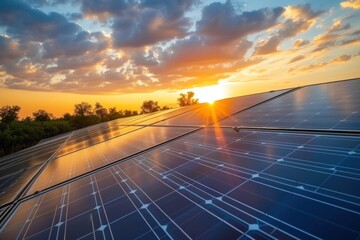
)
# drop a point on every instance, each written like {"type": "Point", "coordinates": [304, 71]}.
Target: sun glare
{"type": "Point", "coordinates": [210, 94]}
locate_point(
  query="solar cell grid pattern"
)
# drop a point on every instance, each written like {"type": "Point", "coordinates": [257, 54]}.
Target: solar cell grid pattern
{"type": "Point", "coordinates": [166, 175]}
{"type": "Point", "coordinates": [203, 186]}
{"type": "Point", "coordinates": [324, 106]}
{"type": "Point", "coordinates": [86, 159]}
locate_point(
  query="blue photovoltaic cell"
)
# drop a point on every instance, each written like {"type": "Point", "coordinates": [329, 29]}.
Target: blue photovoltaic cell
{"type": "Point", "coordinates": [216, 183]}
{"type": "Point", "coordinates": [325, 106]}
{"type": "Point", "coordinates": [82, 161]}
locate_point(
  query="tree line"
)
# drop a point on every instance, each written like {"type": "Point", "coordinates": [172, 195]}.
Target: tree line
{"type": "Point", "coordinates": [16, 134]}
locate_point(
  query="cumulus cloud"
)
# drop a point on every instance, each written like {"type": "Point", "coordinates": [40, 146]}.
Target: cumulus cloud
{"type": "Point", "coordinates": [22, 21]}
{"type": "Point", "coordinates": [9, 50]}
{"type": "Point", "coordinates": [351, 4]}
{"type": "Point", "coordinates": [297, 19]}
{"type": "Point", "coordinates": [148, 28]}
{"type": "Point", "coordinates": [75, 45]}
{"type": "Point", "coordinates": [146, 45]}
{"type": "Point", "coordinates": [149, 22]}
{"type": "Point", "coordinates": [221, 22]}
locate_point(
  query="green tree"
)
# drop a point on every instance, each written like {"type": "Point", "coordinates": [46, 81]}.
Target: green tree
{"type": "Point", "coordinates": [100, 111]}
{"type": "Point", "coordinates": [9, 114]}
{"type": "Point", "coordinates": [149, 106]}
{"type": "Point", "coordinates": [42, 116]}
{"type": "Point", "coordinates": [83, 109]}
{"type": "Point", "coordinates": [187, 99]}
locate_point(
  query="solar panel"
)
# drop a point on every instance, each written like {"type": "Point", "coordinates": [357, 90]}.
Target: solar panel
{"type": "Point", "coordinates": [211, 113]}
{"type": "Point", "coordinates": [87, 159]}
{"type": "Point", "coordinates": [324, 106]}
{"type": "Point", "coordinates": [290, 172]}
{"type": "Point", "coordinates": [176, 191]}
{"type": "Point", "coordinates": [77, 142]}
{"type": "Point", "coordinates": [17, 170]}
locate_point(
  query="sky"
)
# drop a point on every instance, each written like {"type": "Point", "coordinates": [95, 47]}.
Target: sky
{"type": "Point", "coordinates": [56, 53]}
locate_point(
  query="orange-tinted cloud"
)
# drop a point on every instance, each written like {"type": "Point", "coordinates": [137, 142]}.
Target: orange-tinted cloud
{"type": "Point", "coordinates": [297, 58]}
{"type": "Point", "coordinates": [335, 35]}
{"type": "Point", "coordinates": [300, 43]}
{"type": "Point", "coordinates": [297, 19]}
{"type": "Point", "coordinates": [351, 4]}
{"type": "Point", "coordinates": [311, 67]}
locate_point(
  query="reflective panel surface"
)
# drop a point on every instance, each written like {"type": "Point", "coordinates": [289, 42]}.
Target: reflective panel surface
{"type": "Point", "coordinates": [325, 106]}
{"type": "Point", "coordinates": [82, 161]}
{"type": "Point", "coordinates": [16, 170]}
{"type": "Point", "coordinates": [216, 183]}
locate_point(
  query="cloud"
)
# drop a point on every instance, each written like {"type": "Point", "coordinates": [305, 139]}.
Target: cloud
{"type": "Point", "coordinates": [222, 23]}
{"type": "Point", "coordinates": [198, 62]}
{"type": "Point", "coordinates": [355, 4]}
{"type": "Point", "coordinates": [334, 36]}
{"type": "Point", "coordinates": [300, 43]}
{"type": "Point", "coordinates": [23, 22]}
{"type": "Point", "coordinates": [102, 9]}
{"type": "Point", "coordinates": [152, 44]}
{"type": "Point", "coordinates": [338, 26]}
{"type": "Point", "coordinates": [147, 28]}
{"type": "Point", "coordinates": [297, 58]}
{"type": "Point", "coordinates": [75, 45]}
{"type": "Point", "coordinates": [297, 19]}
{"type": "Point", "coordinates": [311, 67]}
{"type": "Point", "coordinates": [9, 50]}
{"type": "Point", "coordinates": [151, 22]}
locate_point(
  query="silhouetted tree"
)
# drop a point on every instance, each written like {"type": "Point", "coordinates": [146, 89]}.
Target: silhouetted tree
{"type": "Point", "coordinates": [83, 109]}
{"type": "Point", "coordinates": [9, 114]}
{"type": "Point", "coordinates": [100, 111]}
{"type": "Point", "coordinates": [187, 99]}
{"type": "Point", "coordinates": [149, 106]}
{"type": "Point", "coordinates": [42, 116]}
{"type": "Point", "coordinates": [113, 114]}
{"type": "Point", "coordinates": [27, 120]}
{"type": "Point", "coordinates": [165, 108]}
{"type": "Point", "coordinates": [67, 117]}
{"type": "Point", "coordinates": [126, 113]}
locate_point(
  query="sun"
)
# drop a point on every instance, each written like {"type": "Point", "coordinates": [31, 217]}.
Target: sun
{"type": "Point", "coordinates": [210, 94]}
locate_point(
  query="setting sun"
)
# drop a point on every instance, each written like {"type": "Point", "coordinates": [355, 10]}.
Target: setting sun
{"type": "Point", "coordinates": [210, 94]}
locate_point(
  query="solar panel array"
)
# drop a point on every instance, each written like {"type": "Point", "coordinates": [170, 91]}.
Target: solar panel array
{"type": "Point", "coordinates": [205, 171]}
